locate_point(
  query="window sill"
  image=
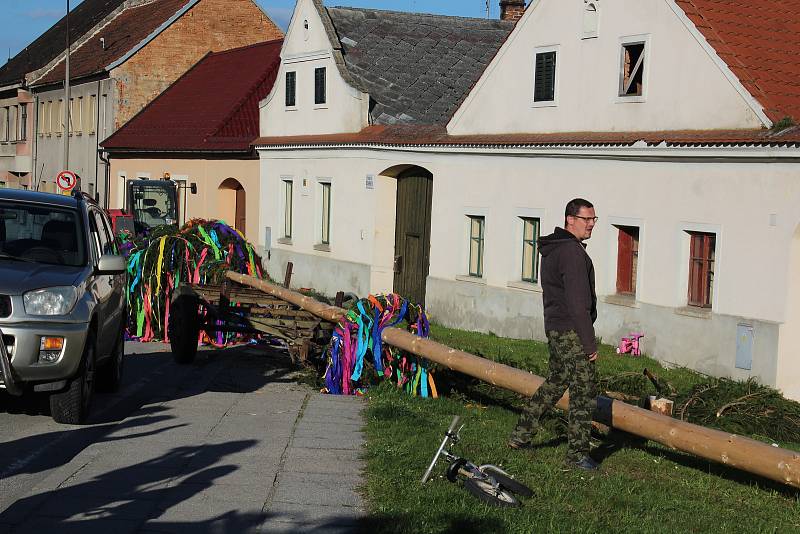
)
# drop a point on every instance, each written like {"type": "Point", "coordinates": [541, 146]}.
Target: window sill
{"type": "Point", "coordinates": [525, 286]}
{"type": "Point", "coordinates": [290, 108]}
{"type": "Point", "coordinates": [322, 247]}
{"type": "Point", "coordinates": [621, 300]}
{"type": "Point", "coordinates": [692, 311]}
{"type": "Point", "coordinates": [633, 99]}
{"type": "Point", "coordinates": [544, 104]}
{"type": "Point", "coordinates": [320, 106]}
{"type": "Point", "coordinates": [471, 279]}
{"type": "Point", "coordinates": [285, 241]}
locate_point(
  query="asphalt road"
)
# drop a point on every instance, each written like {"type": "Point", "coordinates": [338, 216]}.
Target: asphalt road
{"type": "Point", "coordinates": [136, 459]}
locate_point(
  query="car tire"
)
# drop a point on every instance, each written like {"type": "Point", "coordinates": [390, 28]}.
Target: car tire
{"type": "Point", "coordinates": [109, 376]}
{"type": "Point", "coordinates": [71, 406]}
{"type": "Point", "coordinates": [184, 328]}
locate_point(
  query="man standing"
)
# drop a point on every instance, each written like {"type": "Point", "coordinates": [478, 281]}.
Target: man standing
{"type": "Point", "coordinates": [570, 309]}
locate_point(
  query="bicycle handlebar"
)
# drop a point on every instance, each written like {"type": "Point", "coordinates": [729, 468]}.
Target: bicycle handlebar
{"type": "Point", "coordinates": [449, 434]}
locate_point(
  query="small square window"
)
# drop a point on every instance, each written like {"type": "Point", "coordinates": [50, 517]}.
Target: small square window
{"type": "Point", "coordinates": [544, 84]}
{"type": "Point", "coordinates": [319, 86]}
{"type": "Point", "coordinates": [476, 238]}
{"type": "Point", "coordinates": [632, 73]}
{"type": "Point", "coordinates": [291, 89]}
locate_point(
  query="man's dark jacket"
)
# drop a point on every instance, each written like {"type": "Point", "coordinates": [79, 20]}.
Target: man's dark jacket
{"type": "Point", "coordinates": [567, 280]}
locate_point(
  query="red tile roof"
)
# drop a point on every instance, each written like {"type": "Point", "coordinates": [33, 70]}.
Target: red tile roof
{"type": "Point", "coordinates": [213, 107]}
{"type": "Point", "coordinates": [121, 35]}
{"type": "Point", "coordinates": [760, 41]}
{"type": "Point", "coordinates": [409, 135]}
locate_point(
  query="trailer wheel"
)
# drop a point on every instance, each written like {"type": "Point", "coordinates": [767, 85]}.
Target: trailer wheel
{"type": "Point", "coordinates": [184, 328]}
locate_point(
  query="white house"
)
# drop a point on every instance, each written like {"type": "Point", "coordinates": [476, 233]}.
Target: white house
{"type": "Point", "coordinates": [417, 175]}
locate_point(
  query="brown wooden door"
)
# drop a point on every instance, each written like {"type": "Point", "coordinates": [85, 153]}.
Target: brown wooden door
{"type": "Point", "coordinates": [412, 240]}
{"type": "Point", "coordinates": [241, 212]}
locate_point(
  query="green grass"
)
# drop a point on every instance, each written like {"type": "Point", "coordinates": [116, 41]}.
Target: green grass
{"type": "Point", "coordinates": [642, 486]}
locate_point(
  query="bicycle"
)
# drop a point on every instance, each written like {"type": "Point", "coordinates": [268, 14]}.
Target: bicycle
{"type": "Point", "coordinates": [487, 482]}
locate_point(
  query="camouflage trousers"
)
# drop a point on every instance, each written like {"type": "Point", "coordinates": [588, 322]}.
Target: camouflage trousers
{"type": "Point", "coordinates": [569, 368]}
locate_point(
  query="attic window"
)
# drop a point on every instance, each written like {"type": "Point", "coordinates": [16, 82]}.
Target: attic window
{"type": "Point", "coordinates": [291, 89]}
{"type": "Point", "coordinates": [319, 86]}
{"type": "Point", "coordinates": [590, 19]}
{"type": "Point", "coordinates": [544, 77]}
{"type": "Point", "coordinates": [632, 72]}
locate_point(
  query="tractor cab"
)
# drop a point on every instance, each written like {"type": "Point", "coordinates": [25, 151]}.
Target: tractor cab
{"type": "Point", "coordinates": [152, 203]}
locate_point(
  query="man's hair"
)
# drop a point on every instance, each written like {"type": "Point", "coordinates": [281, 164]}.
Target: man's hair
{"type": "Point", "coordinates": [574, 206]}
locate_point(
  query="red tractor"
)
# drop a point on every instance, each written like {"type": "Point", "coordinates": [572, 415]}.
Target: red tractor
{"type": "Point", "coordinates": [148, 204]}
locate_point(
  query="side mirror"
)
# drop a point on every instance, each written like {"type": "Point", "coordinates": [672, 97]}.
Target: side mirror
{"type": "Point", "coordinates": [111, 264]}
{"type": "Point", "coordinates": [193, 188]}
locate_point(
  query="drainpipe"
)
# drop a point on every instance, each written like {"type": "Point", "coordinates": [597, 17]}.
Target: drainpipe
{"type": "Point", "coordinates": [105, 157]}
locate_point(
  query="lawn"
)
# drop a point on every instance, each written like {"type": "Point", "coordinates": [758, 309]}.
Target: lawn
{"type": "Point", "coordinates": [641, 487]}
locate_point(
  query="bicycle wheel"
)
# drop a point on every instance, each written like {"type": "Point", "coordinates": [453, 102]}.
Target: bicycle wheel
{"type": "Point", "coordinates": [505, 480]}
{"type": "Point", "coordinates": [484, 491]}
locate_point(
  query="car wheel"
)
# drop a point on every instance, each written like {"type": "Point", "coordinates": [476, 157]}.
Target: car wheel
{"type": "Point", "coordinates": [109, 376]}
{"type": "Point", "coordinates": [71, 406]}
{"type": "Point", "coordinates": [184, 328]}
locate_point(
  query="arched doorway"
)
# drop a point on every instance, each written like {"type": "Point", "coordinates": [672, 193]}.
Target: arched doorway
{"type": "Point", "coordinates": [233, 205]}
{"type": "Point", "coordinates": [412, 235]}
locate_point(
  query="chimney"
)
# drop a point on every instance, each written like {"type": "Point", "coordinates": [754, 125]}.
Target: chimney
{"type": "Point", "coordinates": [512, 9]}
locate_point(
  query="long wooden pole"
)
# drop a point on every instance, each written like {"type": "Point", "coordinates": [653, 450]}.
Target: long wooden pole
{"type": "Point", "coordinates": [774, 463]}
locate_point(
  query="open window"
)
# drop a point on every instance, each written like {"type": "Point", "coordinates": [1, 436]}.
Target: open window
{"type": "Point", "coordinates": [627, 259]}
{"type": "Point", "coordinates": [631, 79]}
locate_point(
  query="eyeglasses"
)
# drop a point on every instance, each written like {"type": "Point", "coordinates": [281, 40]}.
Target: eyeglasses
{"type": "Point", "coordinates": [587, 219]}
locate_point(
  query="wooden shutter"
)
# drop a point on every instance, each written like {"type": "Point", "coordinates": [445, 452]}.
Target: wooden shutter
{"type": "Point", "coordinates": [701, 269]}
{"type": "Point", "coordinates": [545, 85]}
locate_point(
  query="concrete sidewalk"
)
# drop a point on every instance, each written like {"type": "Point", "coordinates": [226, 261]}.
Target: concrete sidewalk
{"type": "Point", "coordinates": [234, 444]}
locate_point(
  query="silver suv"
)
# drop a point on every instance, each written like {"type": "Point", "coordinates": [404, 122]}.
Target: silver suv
{"type": "Point", "coordinates": [62, 300]}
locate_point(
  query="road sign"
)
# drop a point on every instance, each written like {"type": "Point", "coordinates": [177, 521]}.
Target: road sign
{"type": "Point", "coordinates": [66, 180]}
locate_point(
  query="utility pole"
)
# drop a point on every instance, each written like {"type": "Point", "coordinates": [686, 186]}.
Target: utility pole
{"type": "Point", "coordinates": [66, 99]}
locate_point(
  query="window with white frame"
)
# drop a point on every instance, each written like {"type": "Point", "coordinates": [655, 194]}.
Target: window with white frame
{"type": "Point", "coordinates": [702, 257]}
{"type": "Point", "coordinates": [530, 249]}
{"type": "Point", "coordinates": [627, 259]}
{"type": "Point", "coordinates": [544, 77]}
{"type": "Point", "coordinates": [325, 221]}
{"type": "Point", "coordinates": [477, 225]}
{"type": "Point", "coordinates": [91, 115]}
{"type": "Point", "coordinates": [631, 78]}
{"type": "Point", "coordinates": [288, 192]}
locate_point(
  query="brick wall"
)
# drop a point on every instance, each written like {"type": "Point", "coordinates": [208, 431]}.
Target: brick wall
{"type": "Point", "coordinates": [211, 25]}
{"type": "Point", "coordinates": [512, 10]}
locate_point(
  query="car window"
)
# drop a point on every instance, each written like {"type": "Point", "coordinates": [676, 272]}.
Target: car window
{"type": "Point", "coordinates": [41, 233]}
{"type": "Point", "coordinates": [104, 242]}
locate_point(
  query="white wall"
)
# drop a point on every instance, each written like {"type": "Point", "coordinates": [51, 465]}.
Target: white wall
{"type": "Point", "coordinates": [751, 206]}
{"type": "Point", "coordinates": [304, 50]}
{"type": "Point", "coordinates": [684, 88]}
{"type": "Point", "coordinates": [789, 350]}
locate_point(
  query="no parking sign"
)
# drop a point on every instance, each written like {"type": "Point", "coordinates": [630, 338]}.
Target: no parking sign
{"type": "Point", "coordinates": [66, 181]}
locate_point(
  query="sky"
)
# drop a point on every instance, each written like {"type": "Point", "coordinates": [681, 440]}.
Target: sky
{"type": "Point", "coordinates": [21, 21]}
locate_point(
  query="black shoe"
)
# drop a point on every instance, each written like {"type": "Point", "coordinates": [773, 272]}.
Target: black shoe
{"type": "Point", "coordinates": [585, 463]}
{"type": "Point", "coordinates": [518, 444]}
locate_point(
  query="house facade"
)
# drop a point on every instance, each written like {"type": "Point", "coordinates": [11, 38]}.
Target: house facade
{"type": "Point", "coordinates": [125, 54]}
{"type": "Point", "coordinates": [660, 112]}
{"type": "Point", "coordinates": [212, 150]}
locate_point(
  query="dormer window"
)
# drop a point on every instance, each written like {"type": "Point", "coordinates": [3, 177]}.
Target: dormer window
{"type": "Point", "coordinates": [320, 96]}
{"type": "Point", "coordinates": [631, 80]}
